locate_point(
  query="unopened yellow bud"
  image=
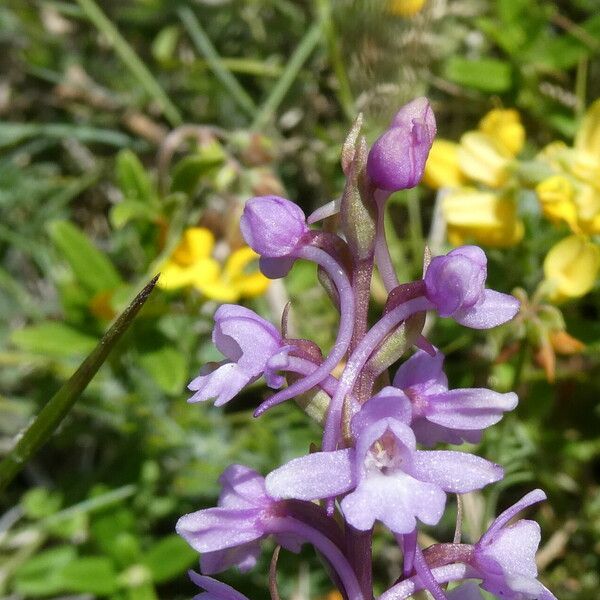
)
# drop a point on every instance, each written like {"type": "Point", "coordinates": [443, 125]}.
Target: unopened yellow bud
{"type": "Point", "coordinates": [442, 168]}
{"type": "Point", "coordinates": [557, 199]}
{"type": "Point", "coordinates": [504, 126]}
{"type": "Point", "coordinates": [571, 268]}
{"type": "Point", "coordinates": [482, 159]}
{"type": "Point", "coordinates": [405, 8]}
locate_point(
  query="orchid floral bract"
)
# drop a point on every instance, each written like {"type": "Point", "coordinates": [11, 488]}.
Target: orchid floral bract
{"type": "Point", "coordinates": [378, 461]}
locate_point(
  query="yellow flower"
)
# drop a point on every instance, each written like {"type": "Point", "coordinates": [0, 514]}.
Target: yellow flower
{"type": "Point", "coordinates": [484, 217]}
{"type": "Point", "coordinates": [588, 135]}
{"type": "Point", "coordinates": [504, 126]}
{"type": "Point", "coordinates": [571, 268]}
{"type": "Point", "coordinates": [405, 8]}
{"type": "Point", "coordinates": [557, 198]}
{"type": "Point", "coordinates": [191, 265]}
{"type": "Point", "coordinates": [482, 159]}
{"type": "Point", "coordinates": [442, 168]}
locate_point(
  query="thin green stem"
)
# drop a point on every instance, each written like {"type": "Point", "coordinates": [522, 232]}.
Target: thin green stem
{"type": "Point", "coordinates": [281, 88]}
{"type": "Point", "coordinates": [57, 408]}
{"type": "Point", "coordinates": [343, 91]}
{"type": "Point", "coordinates": [131, 60]}
{"type": "Point", "coordinates": [214, 61]}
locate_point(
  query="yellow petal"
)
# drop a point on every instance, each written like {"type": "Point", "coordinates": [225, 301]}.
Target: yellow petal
{"type": "Point", "coordinates": [504, 126]}
{"type": "Point", "coordinates": [219, 291]}
{"type": "Point", "coordinates": [557, 199]}
{"type": "Point", "coordinates": [173, 276]}
{"type": "Point", "coordinates": [587, 200]}
{"type": "Point", "coordinates": [484, 217]}
{"type": "Point", "coordinates": [588, 134]}
{"type": "Point", "coordinates": [482, 159]}
{"type": "Point", "coordinates": [571, 267]}
{"type": "Point", "coordinates": [442, 168]}
{"type": "Point", "coordinates": [196, 243]}
{"type": "Point", "coordinates": [241, 270]}
{"type": "Point", "coordinates": [405, 8]}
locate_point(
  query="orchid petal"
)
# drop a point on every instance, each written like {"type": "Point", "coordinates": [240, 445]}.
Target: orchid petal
{"type": "Point", "coordinates": [315, 476]}
{"type": "Point", "coordinates": [456, 472]}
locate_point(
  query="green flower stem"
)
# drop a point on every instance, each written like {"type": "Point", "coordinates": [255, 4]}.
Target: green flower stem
{"type": "Point", "coordinates": [56, 409]}
{"type": "Point", "coordinates": [131, 60]}
{"type": "Point", "coordinates": [281, 88]}
{"type": "Point", "coordinates": [215, 62]}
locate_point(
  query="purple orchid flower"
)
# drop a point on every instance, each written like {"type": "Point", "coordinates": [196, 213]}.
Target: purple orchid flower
{"type": "Point", "coordinates": [467, 591]}
{"type": "Point", "coordinates": [397, 159]}
{"type": "Point", "coordinates": [505, 555]}
{"type": "Point", "coordinates": [388, 478]}
{"type": "Point", "coordinates": [443, 415]}
{"type": "Point", "coordinates": [230, 534]}
{"type": "Point", "coordinates": [213, 589]}
{"type": "Point", "coordinates": [253, 347]}
{"type": "Point", "coordinates": [455, 285]}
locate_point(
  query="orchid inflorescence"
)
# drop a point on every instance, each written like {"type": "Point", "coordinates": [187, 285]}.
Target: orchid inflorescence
{"type": "Point", "coordinates": [376, 461]}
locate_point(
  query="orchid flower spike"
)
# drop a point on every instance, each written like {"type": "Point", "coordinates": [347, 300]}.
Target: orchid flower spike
{"type": "Point", "coordinates": [253, 347]}
{"type": "Point", "coordinates": [397, 159]}
{"type": "Point", "coordinates": [443, 415]}
{"type": "Point", "coordinates": [455, 284]}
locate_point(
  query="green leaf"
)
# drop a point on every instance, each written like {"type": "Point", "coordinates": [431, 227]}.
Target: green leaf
{"type": "Point", "coordinates": [168, 558]}
{"type": "Point", "coordinates": [90, 574]}
{"type": "Point", "coordinates": [40, 502]}
{"type": "Point", "coordinates": [133, 180]}
{"type": "Point", "coordinates": [167, 366]}
{"type": "Point", "coordinates": [130, 210]}
{"type": "Point", "coordinates": [188, 172]}
{"type": "Point", "coordinates": [485, 74]}
{"type": "Point", "coordinates": [165, 44]}
{"type": "Point", "coordinates": [59, 405]}
{"type": "Point", "coordinates": [41, 575]}
{"type": "Point", "coordinates": [53, 338]}
{"type": "Point", "coordinates": [91, 267]}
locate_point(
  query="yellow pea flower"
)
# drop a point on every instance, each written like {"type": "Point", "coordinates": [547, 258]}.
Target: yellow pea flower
{"type": "Point", "coordinates": [482, 159]}
{"type": "Point", "coordinates": [405, 8]}
{"type": "Point", "coordinates": [191, 265]}
{"type": "Point", "coordinates": [481, 216]}
{"type": "Point", "coordinates": [571, 268]}
{"type": "Point", "coordinates": [557, 199]}
{"type": "Point", "coordinates": [442, 168]}
{"type": "Point", "coordinates": [587, 138]}
{"type": "Point", "coordinates": [504, 126]}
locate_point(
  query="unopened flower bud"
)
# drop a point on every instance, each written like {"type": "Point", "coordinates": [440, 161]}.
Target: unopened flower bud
{"type": "Point", "coordinates": [273, 226]}
{"type": "Point", "coordinates": [397, 159]}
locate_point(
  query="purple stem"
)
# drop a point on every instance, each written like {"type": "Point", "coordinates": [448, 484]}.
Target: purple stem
{"type": "Point", "coordinates": [306, 367]}
{"type": "Point", "coordinates": [444, 574]}
{"type": "Point", "coordinates": [357, 360]}
{"type": "Point", "coordinates": [326, 547]}
{"type": "Point", "coordinates": [426, 576]}
{"type": "Point", "coordinates": [346, 327]}
{"type": "Point", "coordinates": [359, 552]}
{"type": "Point", "coordinates": [382, 251]}
{"type": "Point", "coordinates": [409, 547]}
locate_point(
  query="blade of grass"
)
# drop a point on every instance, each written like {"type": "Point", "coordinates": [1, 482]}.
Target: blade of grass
{"type": "Point", "coordinates": [343, 91]}
{"type": "Point", "coordinates": [281, 88]}
{"type": "Point", "coordinates": [131, 60]}
{"type": "Point", "coordinates": [215, 63]}
{"type": "Point", "coordinates": [14, 133]}
{"type": "Point", "coordinates": [56, 409]}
